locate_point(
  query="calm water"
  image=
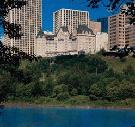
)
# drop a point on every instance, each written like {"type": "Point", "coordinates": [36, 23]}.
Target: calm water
{"type": "Point", "coordinates": [60, 117]}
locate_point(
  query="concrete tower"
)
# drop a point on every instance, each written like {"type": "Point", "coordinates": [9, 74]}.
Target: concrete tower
{"type": "Point", "coordinates": [30, 19]}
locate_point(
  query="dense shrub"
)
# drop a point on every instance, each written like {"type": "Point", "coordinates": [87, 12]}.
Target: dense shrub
{"type": "Point", "coordinates": [66, 77]}
{"type": "Point", "coordinates": [23, 90]}
{"type": "Point", "coordinates": [59, 89]}
{"type": "Point", "coordinates": [74, 92]}
{"type": "Point", "coordinates": [62, 96]}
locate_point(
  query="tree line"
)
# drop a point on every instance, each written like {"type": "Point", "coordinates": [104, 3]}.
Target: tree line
{"type": "Point", "coordinates": [64, 77]}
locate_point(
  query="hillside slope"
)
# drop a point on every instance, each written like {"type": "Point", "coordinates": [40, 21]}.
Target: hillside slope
{"type": "Point", "coordinates": [119, 65]}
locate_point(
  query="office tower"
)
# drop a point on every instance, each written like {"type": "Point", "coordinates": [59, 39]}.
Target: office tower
{"type": "Point", "coordinates": [69, 18]}
{"type": "Point", "coordinates": [30, 19]}
{"type": "Point", "coordinates": [121, 33]}
{"type": "Point", "coordinates": [104, 24]}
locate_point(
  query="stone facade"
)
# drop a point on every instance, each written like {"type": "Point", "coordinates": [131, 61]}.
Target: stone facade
{"type": "Point", "coordinates": [102, 41]}
{"type": "Point", "coordinates": [95, 26]}
{"type": "Point", "coordinates": [63, 43]}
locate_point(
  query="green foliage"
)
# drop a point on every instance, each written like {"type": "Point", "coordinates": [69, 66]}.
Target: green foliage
{"type": "Point", "coordinates": [6, 86]}
{"type": "Point", "coordinates": [95, 92]}
{"type": "Point", "coordinates": [129, 70]}
{"type": "Point", "coordinates": [64, 78]}
{"type": "Point", "coordinates": [59, 89]}
{"type": "Point", "coordinates": [74, 92]}
{"type": "Point", "coordinates": [62, 96]}
{"type": "Point", "coordinates": [37, 89]}
{"type": "Point", "coordinates": [121, 90]}
{"type": "Point", "coordinates": [23, 90]}
{"type": "Point", "coordinates": [48, 87]}
{"type": "Point", "coordinates": [61, 92]}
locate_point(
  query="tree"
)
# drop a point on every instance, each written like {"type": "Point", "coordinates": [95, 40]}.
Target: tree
{"type": "Point", "coordinates": [11, 29]}
{"type": "Point", "coordinates": [95, 92]}
{"type": "Point", "coordinates": [120, 90]}
{"type": "Point", "coordinates": [48, 87]}
{"type": "Point", "coordinates": [121, 52]}
{"type": "Point", "coordinates": [23, 91]}
{"type": "Point", "coordinates": [5, 85]}
{"type": "Point", "coordinates": [74, 92]}
{"type": "Point", "coordinates": [37, 89]}
{"type": "Point", "coordinates": [61, 92]}
{"type": "Point", "coordinates": [11, 55]}
{"type": "Point", "coordinates": [7, 57]}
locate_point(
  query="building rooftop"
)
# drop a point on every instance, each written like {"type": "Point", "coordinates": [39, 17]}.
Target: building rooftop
{"type": "Point", "coordinates": [83, 29]}
{"type": "Point", "coordinates": [64, 29]}
{"type": "Point", "coordinates": [71, 10]}
{"type": "Point", "coordinates": [40, 34]}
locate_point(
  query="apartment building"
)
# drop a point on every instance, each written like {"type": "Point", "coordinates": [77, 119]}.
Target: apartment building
{"type": "Point", "coordinates": [95, 26]}
{"type": "Point", "coordinates": [64, 43]}
{"type": "Point", "coordinates": [30, 19]}
{"type": "Point", "coordinates": [121, 33]}
{"type": "Point", "coordinates": [69, 18]}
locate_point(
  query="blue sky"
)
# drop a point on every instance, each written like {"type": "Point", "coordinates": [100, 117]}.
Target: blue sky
{"type": "Point", "coordinates": [49, 6]}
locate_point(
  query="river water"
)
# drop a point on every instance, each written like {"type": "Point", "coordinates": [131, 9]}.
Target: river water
{"type": "Point", "coordinates": [66, 117]}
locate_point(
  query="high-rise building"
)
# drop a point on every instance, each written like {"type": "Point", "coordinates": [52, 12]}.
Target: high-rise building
{"type": "Point", "coordinates": [104, 24]}
{"type": "Point", "coordinates": [69, 18]}
{"type": "Point", "coordinates": [30, 19]}
{"type": "Point", "coordinates": [95, 26]}
{"type": "Point", "coordinates": [121, 33]}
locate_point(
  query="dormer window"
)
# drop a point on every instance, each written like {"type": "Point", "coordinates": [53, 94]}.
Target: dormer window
{"type": "Point", "coordinates": [86, 32]}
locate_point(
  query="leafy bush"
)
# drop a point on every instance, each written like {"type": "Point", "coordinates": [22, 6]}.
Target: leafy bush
{"type": "Point", "coordinates": [96, 91]}
{"type": "Point", "coordinates": [37, 89]}
{"type": "Point", "coordinates": [60, 89]}
{"type": "Point", "coordinates": [74, 92]}
{"type": "Point", "coordinates": [68, 77]}
{"type": "Point", "coordinates": [62, 96]}
{"type": "Point", "coordinates": [23, 90]}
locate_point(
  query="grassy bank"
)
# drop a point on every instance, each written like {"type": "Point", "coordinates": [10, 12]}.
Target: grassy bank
{"type": "Point", "coordinates": [77, 101]}
{"type": "Point", "coordinates": [119, 64]}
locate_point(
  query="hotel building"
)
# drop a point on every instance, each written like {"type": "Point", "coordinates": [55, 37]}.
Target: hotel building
{"type": "Point", "coordinates": [64, 43]}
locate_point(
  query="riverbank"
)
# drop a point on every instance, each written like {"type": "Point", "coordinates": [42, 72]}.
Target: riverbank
{"type": "Point", "coordinates": [26, 105]}
{"type": "Point", "coordinates": [76, 102]}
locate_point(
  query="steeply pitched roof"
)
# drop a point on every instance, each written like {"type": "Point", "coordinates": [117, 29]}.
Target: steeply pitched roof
{"type": "Point", "coordinates": [64, 29]}
{"type": "Point", "coordinates": [50, 37]}
{"type": "Point", "coordinates": [83, 29]}
{"type": "Point", "coordinates": [47, 36]}
{"type": "Point", "coordinates": [40, 34]}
